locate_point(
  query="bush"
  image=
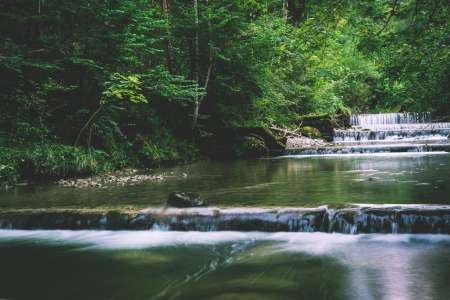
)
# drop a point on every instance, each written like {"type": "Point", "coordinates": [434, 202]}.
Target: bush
{"type": "Point", "coordinates": [164, 148]}
{"type": "Point", "coordinates": [8, 166]}
{"type": "Point", "coordinates": [59, 161]}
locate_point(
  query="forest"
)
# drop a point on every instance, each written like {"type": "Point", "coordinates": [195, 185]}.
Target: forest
{"type": "Point", "coordinates": [90, 86]}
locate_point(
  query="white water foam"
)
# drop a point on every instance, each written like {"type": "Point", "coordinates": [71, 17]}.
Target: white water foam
{"type": "Point", "coordinates": [376, 154]}
{"type": "Point", "coordinates": [312, 243]}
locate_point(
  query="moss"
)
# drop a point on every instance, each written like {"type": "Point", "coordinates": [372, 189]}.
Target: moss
{"type": "Point", "coordinates": [319, 116]}
{"type": "Point", "coordinates": [311, 132]}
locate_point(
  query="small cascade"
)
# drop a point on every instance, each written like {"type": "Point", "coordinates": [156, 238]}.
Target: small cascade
{"type": "Point", "coordinates": [408, 126]}
{"type": "Point", "coordinates": [396, 135]}
{"type": "Point", "coordinates": [390, 220]}
{"type": "Point", "coordinates": [352, 220]}
{"type": "Point", "coordinates": [390, 118]}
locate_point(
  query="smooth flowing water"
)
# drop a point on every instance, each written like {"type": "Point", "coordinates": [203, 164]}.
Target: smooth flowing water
{"type": "Point", "coordinates": [406, 178]}
{"type": "Point", "coordinates": [222, 265]}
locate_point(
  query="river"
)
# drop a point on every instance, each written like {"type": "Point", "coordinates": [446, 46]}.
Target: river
{"type": "Point", "coordinates": [406, 178]}
{"type": "Point", "coordinates": [153, 264]}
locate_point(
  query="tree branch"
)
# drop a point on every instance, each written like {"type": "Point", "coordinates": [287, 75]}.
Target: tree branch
{"type": "Point", "coordinates": [394, 7]}
{"type": "Point", "coordinates": [87, 124]}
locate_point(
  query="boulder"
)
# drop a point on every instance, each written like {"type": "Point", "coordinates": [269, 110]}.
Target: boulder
{"type": "Point", "coordinates": [182, 200]}
{"type": "Point", "coordinates": [311, 132]}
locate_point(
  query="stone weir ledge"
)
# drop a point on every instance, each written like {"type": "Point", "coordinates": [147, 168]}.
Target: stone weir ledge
{"type": "Point", "coordinates": [350, 220]}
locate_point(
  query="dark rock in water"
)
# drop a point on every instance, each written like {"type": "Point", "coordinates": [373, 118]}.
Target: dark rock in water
{"type": "Point", "coordinates": [181, 200]}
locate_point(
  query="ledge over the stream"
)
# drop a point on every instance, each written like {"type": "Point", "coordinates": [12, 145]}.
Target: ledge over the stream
{"type": "Point", "coordinates": [351, 220]}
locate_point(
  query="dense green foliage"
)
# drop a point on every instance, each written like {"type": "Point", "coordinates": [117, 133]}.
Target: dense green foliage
{"type": "Point", "coordinates": [43, 162]}
{"type": "Point", "coordinates": [126, 76]}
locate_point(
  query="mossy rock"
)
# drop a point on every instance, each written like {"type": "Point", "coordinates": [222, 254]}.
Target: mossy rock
{"type": "Point", "coordinates": [324, 123]}
{"type": "Point", "coordinates": [311, 132]}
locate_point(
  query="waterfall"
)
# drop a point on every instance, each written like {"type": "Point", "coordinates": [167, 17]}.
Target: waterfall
{"type": "Point", "coordinates": [352, 220]}
{"type": "Point", "coordinates": [390, 118]}
{"type": "Point", "coordinates": [439, 131]}
{"type": "Point", "coordinates": [393, 127]}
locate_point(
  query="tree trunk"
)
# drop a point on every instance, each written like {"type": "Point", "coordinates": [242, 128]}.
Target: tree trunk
{"type": "Point", "coordinates": [196, 64]}
{"type": "Point", "coordinates": [210, 58]}
{"type": "Point", "coordinates": [38, 25]}
{"type": "Point", "coordinates": [168, 42]}
{"type": "Point", "coordinates": [285, 10]}
{"type": "Point", "coordinates": [296, 10]}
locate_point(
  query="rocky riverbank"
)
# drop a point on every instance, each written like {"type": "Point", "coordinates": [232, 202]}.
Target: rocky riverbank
{"type": "Point", "coordinates": [119, 178]}
{"type": "Point", "coordinates": [305, 143]}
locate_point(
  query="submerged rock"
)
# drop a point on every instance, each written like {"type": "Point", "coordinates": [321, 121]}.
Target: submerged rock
{"type": "Point", "coordinates": [182, 200]}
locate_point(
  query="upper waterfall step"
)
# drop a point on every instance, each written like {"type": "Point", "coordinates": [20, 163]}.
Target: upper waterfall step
{"type": "Point", "coordinates": [390, 118]}
{"type": "Point", "coordinates": [393, 127]}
